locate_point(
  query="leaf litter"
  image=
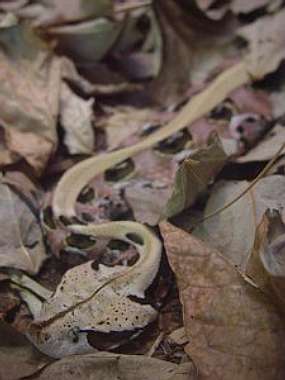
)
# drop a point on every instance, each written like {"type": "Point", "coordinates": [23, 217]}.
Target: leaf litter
{"type": "Point", "coordinates": [185, 102]}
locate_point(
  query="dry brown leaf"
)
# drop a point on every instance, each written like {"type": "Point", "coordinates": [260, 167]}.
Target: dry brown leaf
{"type": "Point", "coordinates": [29, 90]}
{"type": "Point", "coordinates": [114, 367]}
{"type": "Point", "coordinates": [21, 240]}
{"type": "Point", "coordinates": [18, 358]}
{"type": "Point", "coordinates": [232, 231]}
{"type": "Point", "coordinates": [235, 331]}
{"type": "Point", "coordinates": [194, 44]}
{"type": "Point", "coordinates": [266, 265]}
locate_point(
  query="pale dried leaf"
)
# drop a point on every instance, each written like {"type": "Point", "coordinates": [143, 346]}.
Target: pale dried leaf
{"type": "Point", "coordinates": [266, 44]}
{"type": "Point", "coordinates": [121, 122]}
{"type": "Point", "coordinates": [244, 6]}
{"type": "Point", "coordinates": [76, 116]}
{"type": "Point", "coordinates": [232, 231]}
{"type": "Point", "coordinates": [113, 367]}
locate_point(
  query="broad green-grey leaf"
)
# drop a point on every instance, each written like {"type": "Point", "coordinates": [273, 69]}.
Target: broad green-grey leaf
{"type": "Point", "coordinates": [232, 231]}
{"type": "Point", "coordinates": [76, 115]}
{"type": "Point", "coordinates": [194, 176]}
{"type": "Point", "coordinates": [89, 40]}
{"type": "Point", "coordinates": [50, 12]}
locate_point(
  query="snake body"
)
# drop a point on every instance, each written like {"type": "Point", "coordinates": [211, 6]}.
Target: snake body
{"type": "Point", "coordinates": [61, 324]}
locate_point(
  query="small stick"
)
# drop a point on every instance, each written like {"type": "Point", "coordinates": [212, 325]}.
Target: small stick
{"type": "Point", "coordinates": [128, 8]}
{"type": "Point", "coordinates": [155, 345]}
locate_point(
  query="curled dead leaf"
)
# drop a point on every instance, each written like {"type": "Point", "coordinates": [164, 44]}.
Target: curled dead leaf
{"type": "Point", "coordinates": [21, 240]}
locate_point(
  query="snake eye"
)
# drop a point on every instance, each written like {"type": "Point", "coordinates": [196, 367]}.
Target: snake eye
{"type": "Point", "coordinates": [80, 241]}
{"type": "Point", "coordinates": [48, 218]}
{"type": "Point", "coordinates": [175, 143]}
{"type": "Point", "coordinates": [223, 111]}
{"type": "Point", "coordinates": [86, 195]}
{"type": "Point", "coordinates": [120, 171]}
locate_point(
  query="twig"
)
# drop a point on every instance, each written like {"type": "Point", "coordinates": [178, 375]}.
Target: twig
{"type": "Point", "coordinates": [128, 8]}
{"type": "Point", "coordinates": [155, 345]}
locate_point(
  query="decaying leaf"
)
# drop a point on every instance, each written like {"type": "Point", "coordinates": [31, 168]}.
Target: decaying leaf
{"type": "Point", "coordinates": [266, 265]}
{"type": "Point", "coordinates": [232, 231]}
{"type": "Point", "coordinates": [235, 331]}
{"type": "Point", "coordinates": [200, 46]}
{"type": "Point", "coordinates": [267, 147]}
{"type": "Point", "coordinates": [30, 81]}
{"type": "Point", "coordinates": [217, 10]}
{"type": "Point", "coordinates": [193, 177]}
{"type": "Point", "coordinates": [78, 40]}
{"type": "Point", "coordinates": [21, 239]}
{"type": "Point", "coordinates": [48, 12]}
{"type": "Point", "coordinates": [18, 358]}
{"type": "Point", "coordinates": [76, 116]}
{"type": "Point", "coordinates": [112, 367]}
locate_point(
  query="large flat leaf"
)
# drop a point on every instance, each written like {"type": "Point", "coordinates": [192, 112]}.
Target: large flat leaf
{"type": "Point", "coordinates": [232, 231]}
{"type": "Point", "coordinates": [235, 331]}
